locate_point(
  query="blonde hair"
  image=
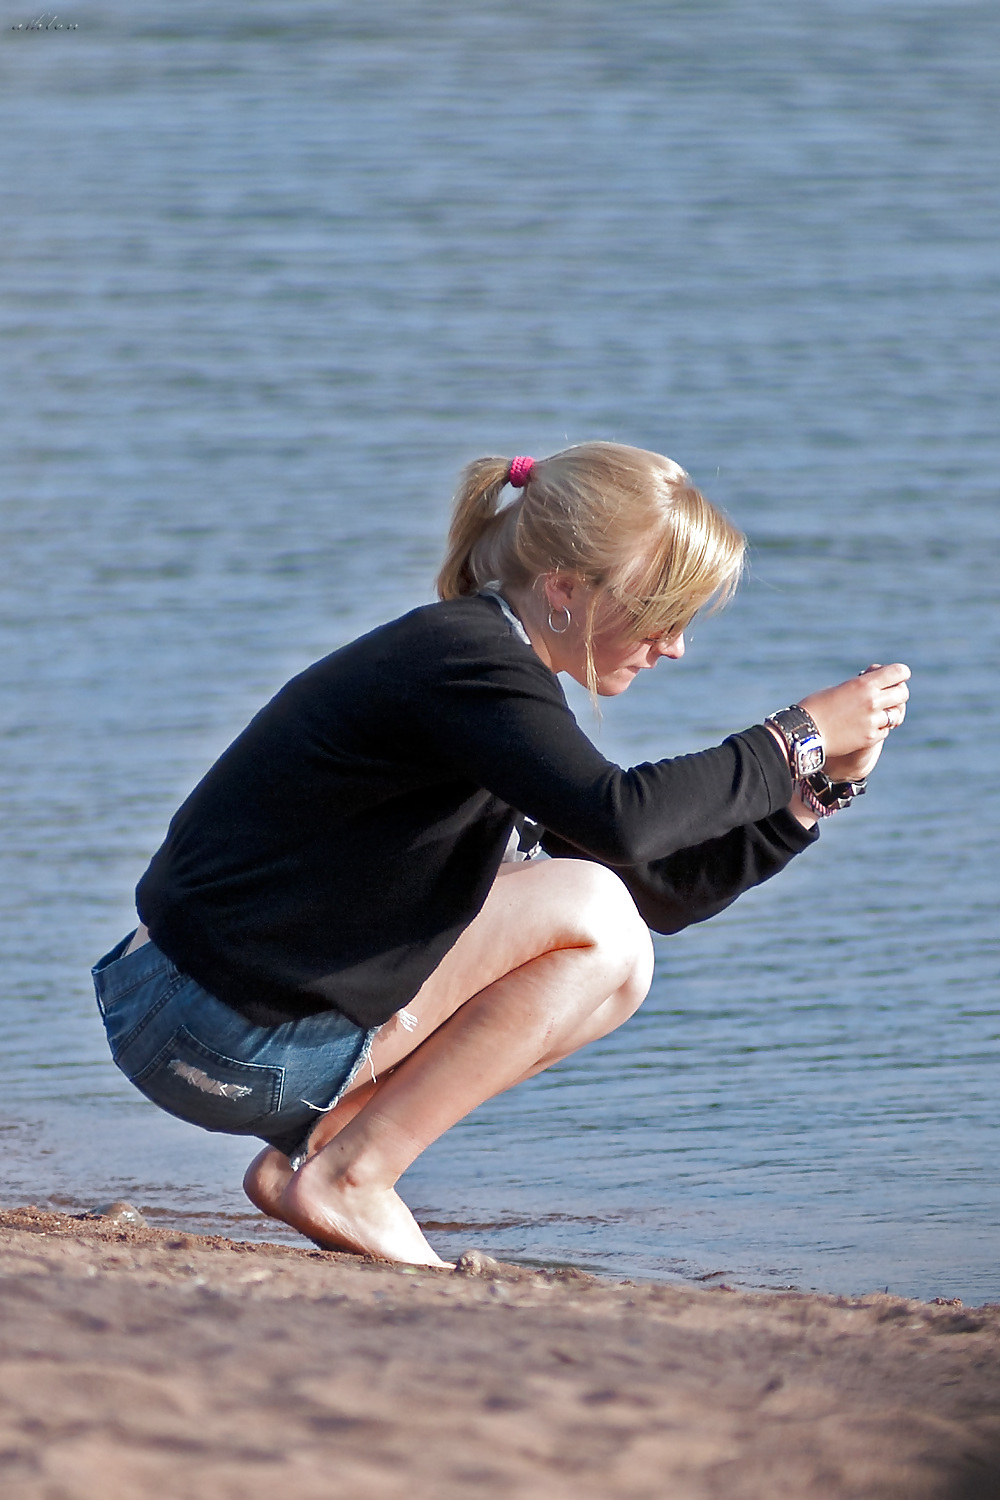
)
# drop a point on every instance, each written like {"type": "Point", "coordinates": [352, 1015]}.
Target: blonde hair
{"type": "Point", "coordinates": [627, 522]}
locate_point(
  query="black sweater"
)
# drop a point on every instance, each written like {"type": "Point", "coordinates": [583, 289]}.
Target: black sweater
{"type": "Point", "coordinates": [333, 854]}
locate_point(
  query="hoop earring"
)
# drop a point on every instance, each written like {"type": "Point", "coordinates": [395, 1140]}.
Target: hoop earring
{"type": "Point", "coordinates": [569, 621]}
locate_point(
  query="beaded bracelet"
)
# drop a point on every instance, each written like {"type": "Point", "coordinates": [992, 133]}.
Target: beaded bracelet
{"type": "Point", "coordinates": [813, 803]}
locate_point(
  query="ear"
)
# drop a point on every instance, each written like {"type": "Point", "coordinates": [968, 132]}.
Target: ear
{"type": "Point", "coordinates": [560, 589]}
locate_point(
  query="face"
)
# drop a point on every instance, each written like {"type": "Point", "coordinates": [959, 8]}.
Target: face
{"type": "Point", "coordinates": [618, 656]}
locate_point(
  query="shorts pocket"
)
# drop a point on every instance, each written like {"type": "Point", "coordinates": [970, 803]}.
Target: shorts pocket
{"type": "Point", "coordinates": [129, 1015]}
{"type": "Point", "coordinates": [190, 1080]}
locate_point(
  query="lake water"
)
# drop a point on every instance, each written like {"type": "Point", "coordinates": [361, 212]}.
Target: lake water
{"type": "Point", "coordinates": [271, 274]}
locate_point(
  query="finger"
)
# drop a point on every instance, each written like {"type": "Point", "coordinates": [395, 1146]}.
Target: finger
{"type": "Point", "coordinates": [888, 676]}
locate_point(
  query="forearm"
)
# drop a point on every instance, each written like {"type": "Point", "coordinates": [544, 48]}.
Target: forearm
{"type": "Point", "coordinates": [696, 883]}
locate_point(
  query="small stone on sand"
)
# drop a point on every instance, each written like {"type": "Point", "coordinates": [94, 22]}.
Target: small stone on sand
{"type": "Point", "coordinates": [475, 1263]}
{"type": "Point", "coordinates": [121, 1212]}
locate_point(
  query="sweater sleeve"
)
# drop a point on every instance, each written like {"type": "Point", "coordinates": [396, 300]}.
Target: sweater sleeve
{"type": "Point", "coordinates": [694, 884]}
{"type": "Point", "coordinates": [497, 716]}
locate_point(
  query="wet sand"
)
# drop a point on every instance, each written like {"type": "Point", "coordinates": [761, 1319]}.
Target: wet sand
{"type": "Point", "coordinates": [141, 1362]}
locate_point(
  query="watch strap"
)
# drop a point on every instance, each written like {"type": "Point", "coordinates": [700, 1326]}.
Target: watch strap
{"type": "Point", "coordinates": [803, 741]}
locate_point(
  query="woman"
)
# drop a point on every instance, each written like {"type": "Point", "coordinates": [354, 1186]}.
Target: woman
{"type": "Point", "coordinates": [345, 945]}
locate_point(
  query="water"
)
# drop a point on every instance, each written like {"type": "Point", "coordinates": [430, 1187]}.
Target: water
{"type": "Point", "coordinates": [269, 278]}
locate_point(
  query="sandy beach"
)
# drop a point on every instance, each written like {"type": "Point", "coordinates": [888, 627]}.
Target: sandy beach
{"type": "Point", "coordinates": [140, 1362]}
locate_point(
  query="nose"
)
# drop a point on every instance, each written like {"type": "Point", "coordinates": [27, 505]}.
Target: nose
{"type": "Point", "coordinates": [674, 648]}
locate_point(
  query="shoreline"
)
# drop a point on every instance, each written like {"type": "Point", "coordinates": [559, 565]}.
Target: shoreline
{"type": "Point", "coordinates": [137, 1362]}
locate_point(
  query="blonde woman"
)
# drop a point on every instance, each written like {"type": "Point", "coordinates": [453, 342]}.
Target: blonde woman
{"type": "Point", "coordinates": [345, 944]}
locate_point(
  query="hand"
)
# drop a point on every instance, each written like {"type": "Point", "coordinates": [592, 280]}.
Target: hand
{"type": "Point", "coordinates": [853, 767]}
{"type": "Point", "coordinates": [856, 717]}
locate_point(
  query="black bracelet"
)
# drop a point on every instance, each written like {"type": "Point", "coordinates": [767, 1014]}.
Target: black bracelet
{"type": "Point", "coordinates": [825, 797]}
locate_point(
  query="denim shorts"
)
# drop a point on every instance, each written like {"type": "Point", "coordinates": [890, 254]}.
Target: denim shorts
{"type": "Point", "coordinates": [199, 1059]}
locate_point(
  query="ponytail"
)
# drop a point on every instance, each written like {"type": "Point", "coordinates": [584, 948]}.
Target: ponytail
{"type": "Point", "coordinates": [477, 506]}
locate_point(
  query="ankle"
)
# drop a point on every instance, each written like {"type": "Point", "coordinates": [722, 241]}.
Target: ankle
{"type": "Point", "coordinates": [358, 1174]}
{"type": "Point", "coordinates": [371, 1153]}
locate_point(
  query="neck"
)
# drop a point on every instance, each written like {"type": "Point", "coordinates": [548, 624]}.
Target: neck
{"type": "Point", "coordinates": [530, 610]}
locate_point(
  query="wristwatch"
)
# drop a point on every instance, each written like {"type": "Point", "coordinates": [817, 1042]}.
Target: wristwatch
{"type": "Point", "coordinates": [803, 740]}
{"type": "Point", "coordinates": [824, 796]}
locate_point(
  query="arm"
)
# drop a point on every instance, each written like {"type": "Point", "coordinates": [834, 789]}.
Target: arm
{"type": "Point", "coordinates": [694, 884]}
{"type": "Point", "coordinates": [485, 706]}
{"type": "Point", "coordinates": [490, 712]}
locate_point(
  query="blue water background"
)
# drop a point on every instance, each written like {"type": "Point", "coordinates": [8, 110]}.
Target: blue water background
{"type": "Point", "coordinates": [270, 274]}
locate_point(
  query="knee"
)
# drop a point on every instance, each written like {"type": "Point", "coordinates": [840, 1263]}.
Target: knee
{"type": "Point", "coordinates": [638, 965]}
{"type": "Point", "coordinates": [611, 922]}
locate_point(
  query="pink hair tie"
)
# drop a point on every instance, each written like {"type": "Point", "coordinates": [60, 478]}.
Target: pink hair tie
{"type": "Point", "coordinates": [520, 471]}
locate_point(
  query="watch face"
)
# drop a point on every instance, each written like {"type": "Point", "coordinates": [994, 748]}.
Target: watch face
{"type": "Point", "coordinates": [809, 755]}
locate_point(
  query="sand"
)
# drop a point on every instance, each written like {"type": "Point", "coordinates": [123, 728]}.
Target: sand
{"type": "Point", "coordinates": [140, 1362]}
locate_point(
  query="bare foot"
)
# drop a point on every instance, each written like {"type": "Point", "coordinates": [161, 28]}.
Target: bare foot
{"type": "Point", "coordinates": [270, 1172]}
{"type": "Point", "coordinates": [265, 1180]}
{"type": "Point", "coordinates": [338, 1215]}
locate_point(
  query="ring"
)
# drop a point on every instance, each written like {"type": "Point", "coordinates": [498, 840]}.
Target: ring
{"type": "Point", "coordinates": [890, 722]}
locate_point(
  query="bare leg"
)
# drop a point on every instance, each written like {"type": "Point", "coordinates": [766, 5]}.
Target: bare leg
{"type": "Point", "coordinates": [557, 957]}
{"type": "Point", "coordinates": [481, 952]}
{"type": "Point", "coordinates": [270, 1172]}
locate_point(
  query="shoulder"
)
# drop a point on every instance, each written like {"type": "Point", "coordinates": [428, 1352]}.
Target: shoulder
{"type": "Point", "coordinates": [449, 643]}
{"type": "Point", "coordinates": [427, 631]}
{"type": "Point", "coordinates": [460, 641]}
{"type": "Point", "coordinates": [465, 628]}
{"type": "Point", "coordinates": [471, 618]}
